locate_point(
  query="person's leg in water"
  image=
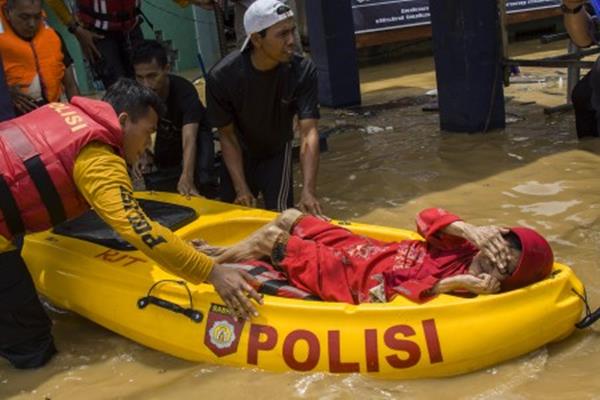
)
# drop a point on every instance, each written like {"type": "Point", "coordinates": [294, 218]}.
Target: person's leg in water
{"type": "Point", "coordinates": [258, 245]}
{"type": "Point", "coordinates": [585, 115]}
{"type": "Point", "coordinates": [25, 329]}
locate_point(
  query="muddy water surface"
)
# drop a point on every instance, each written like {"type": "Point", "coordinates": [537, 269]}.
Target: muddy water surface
{"type": "Point", "coordinates": [386, 163]}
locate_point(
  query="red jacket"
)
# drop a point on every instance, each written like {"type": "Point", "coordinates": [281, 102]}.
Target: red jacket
{"type": "Point", "coordinates": [109, 15]}
{"type": "Point", "coordinates": [37, 157]}
{"type": "Point", "coordinates": [337, 265]}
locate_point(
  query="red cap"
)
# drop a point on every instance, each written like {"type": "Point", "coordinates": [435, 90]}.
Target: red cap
{"type": "Point", "coordinates": [535, 263]}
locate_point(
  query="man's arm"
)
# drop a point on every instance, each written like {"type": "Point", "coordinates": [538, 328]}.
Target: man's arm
{"type": "Point", "coordinates": [578, 25]}
{"type": "Point", "coordinates": [482, 284]}
{"type": "Point", "coordinates": [101, 177]}
{"type": "Point", "coordinates": [309, 160]}
{"type": "Point", "coordinates": [84, 37]}
{"type": "Point", "coordinates": [186, 185]}
{"type": "Point", "coordinates": [70, 84]}
{"type": "Point", "coordinates": [234, 161]}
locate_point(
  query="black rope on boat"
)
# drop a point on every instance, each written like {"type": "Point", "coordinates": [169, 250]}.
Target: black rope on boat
{"type": "Point", "coordinates": [189, 312]}
{"type": "Point", "coordinates": [590, 317]}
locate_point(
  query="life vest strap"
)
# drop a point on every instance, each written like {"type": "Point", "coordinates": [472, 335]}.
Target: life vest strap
{"type": "Point", "coordinates": [47, 190]}
{"type": "Point", "coordinates": [21, 145]}
{"type": "Point", "coordinates": [10, 211]}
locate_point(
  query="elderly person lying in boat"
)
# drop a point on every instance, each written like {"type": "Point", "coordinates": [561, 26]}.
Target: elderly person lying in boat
{"type": "Point", "coordinates": [335, 264]}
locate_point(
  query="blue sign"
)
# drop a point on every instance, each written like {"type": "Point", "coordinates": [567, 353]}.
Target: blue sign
{"type": "Point", "coordinates": [381, 15]}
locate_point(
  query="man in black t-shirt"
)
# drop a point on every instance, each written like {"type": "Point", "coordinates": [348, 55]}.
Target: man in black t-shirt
{"type": "Point", "coordinates": [184, 149]}
{"type": "Point", "coordinates": [253, 96]}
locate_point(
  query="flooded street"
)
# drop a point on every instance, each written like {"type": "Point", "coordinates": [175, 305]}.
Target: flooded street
{"type": "Point", "coordinates": [386, 161]}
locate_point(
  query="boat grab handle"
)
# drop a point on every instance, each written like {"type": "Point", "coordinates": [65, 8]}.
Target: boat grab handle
{"type": "Point", "coordinates": [194, 315]}
{"type": "Point", "coordinates": [590, 317]}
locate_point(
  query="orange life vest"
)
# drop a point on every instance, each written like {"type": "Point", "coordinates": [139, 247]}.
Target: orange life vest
{"type": "Point", "coordinates": [37, 157]}
{"type": "Point", "coordinates": [24, 59]}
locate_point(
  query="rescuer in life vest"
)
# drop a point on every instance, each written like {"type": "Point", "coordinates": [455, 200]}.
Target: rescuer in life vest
{"type": "Point", "coordinates": [335, 264]}
{"type": "Point", "coordinates": [58, 161]}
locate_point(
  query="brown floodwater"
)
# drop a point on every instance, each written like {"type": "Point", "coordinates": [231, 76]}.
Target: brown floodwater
{"type": "Point", "coordinates": [386, 162]}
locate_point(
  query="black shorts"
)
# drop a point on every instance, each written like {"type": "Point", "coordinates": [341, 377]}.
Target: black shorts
{"type": "Point", "coordinates": [272, 177]}
{"type": "Point", "coordinates": [25, 329]}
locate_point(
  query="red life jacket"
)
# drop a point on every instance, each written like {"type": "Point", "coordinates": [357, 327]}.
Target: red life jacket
{"type": "Point", "coordinates": [37, 157]}
{"type": "Point", "coordinates": [109, 15]}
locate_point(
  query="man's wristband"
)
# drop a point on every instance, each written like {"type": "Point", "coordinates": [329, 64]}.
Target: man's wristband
{"type": "Point", "coordinates": [567, 10]}
{"type": "Point", "coordinates": [72, 27]}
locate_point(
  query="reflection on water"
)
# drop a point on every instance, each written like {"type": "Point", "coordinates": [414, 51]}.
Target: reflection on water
{"type": "Point", "coordinates": [534, 174]}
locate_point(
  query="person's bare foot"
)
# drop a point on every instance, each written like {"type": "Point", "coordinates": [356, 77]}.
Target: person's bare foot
{"type": "Point", "coordinates": [255, 247]}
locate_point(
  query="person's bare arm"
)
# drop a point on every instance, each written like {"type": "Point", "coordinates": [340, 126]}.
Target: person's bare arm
{"type": "Point", "coordinates": [488, 239]}
{"type": "Point", "coordinates": [578, 25]}
{"type": "Point", "coordinates": [309, 159]}
{"type": "Point", "coordinates": [482, 284]}
{"type": "Point", "coordinates": [186, 185]}
{"type": "Point", "coordinates": [70, 84]}
{"type": "Point", "coordinates": [233, 158]}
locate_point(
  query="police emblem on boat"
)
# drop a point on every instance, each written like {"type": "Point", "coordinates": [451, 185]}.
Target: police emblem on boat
{"type": "Point", "coordinates": [222, 334]}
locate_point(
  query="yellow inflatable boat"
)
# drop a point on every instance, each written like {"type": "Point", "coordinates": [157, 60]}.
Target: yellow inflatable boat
{"type": "Point", "coordinates": [85, 268]}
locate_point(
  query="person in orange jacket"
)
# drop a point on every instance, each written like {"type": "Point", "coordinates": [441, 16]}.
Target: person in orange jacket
{"type": "Point", "coordinates": [34, 59]}
{"type": "Point", "coordinates": [58, 161]}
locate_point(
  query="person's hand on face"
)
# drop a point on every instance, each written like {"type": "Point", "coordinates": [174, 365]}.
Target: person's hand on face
{"type": "Point", "coordinates": [489, 240]}
{"type": "Point", "coordinates": [233, 286]}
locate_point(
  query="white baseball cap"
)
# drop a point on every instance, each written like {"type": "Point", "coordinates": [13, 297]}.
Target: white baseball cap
{"type": "Point", "coordinates": [263, 14]}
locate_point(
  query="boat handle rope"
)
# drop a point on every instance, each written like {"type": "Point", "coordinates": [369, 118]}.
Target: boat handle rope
{"type": "Point", "coordinates": [590, 317]}
{"type": "Point", "coordinates": [194, 315]}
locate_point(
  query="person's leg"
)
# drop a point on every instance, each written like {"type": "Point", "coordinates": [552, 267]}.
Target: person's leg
{"type": "Point", "coordinates": [25, 329]}
{"type": "Point", "coordinates": [205, 177]}
{"type": "Point", "coordinates": [163, 180]}
{"type": "Point", "coordinates": [111, 65]}
{"type": "Point", "coordinates": [130, 40]}
{"type": "Point", "coordinates": [227, 191]}
{"type": "Point", "coordinates": [585, 115]}
{"type": "Point", "coordinates": [258, 245]}
{"type": "Point", "coordinates": [284, 222]}
{"type": "Point", "coordinates": [276, 181]}
{"type": "Point", "coordinates": [314, 268]}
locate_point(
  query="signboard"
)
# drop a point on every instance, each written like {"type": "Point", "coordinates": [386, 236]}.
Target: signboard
{"type": "Point", "coordinates": [381, 15]}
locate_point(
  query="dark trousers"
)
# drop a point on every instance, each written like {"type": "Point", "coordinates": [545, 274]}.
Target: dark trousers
{"type": "Point", "coordinates": [205, 177]}
{"type": "Point", "coordinates": [586, 121]}
{"type": "Point", "coordinates": [25, 329]}
{"type": "Point", "coordinates": [272, 177]}
{"type": "Point", "coordinates": [115, 48]}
